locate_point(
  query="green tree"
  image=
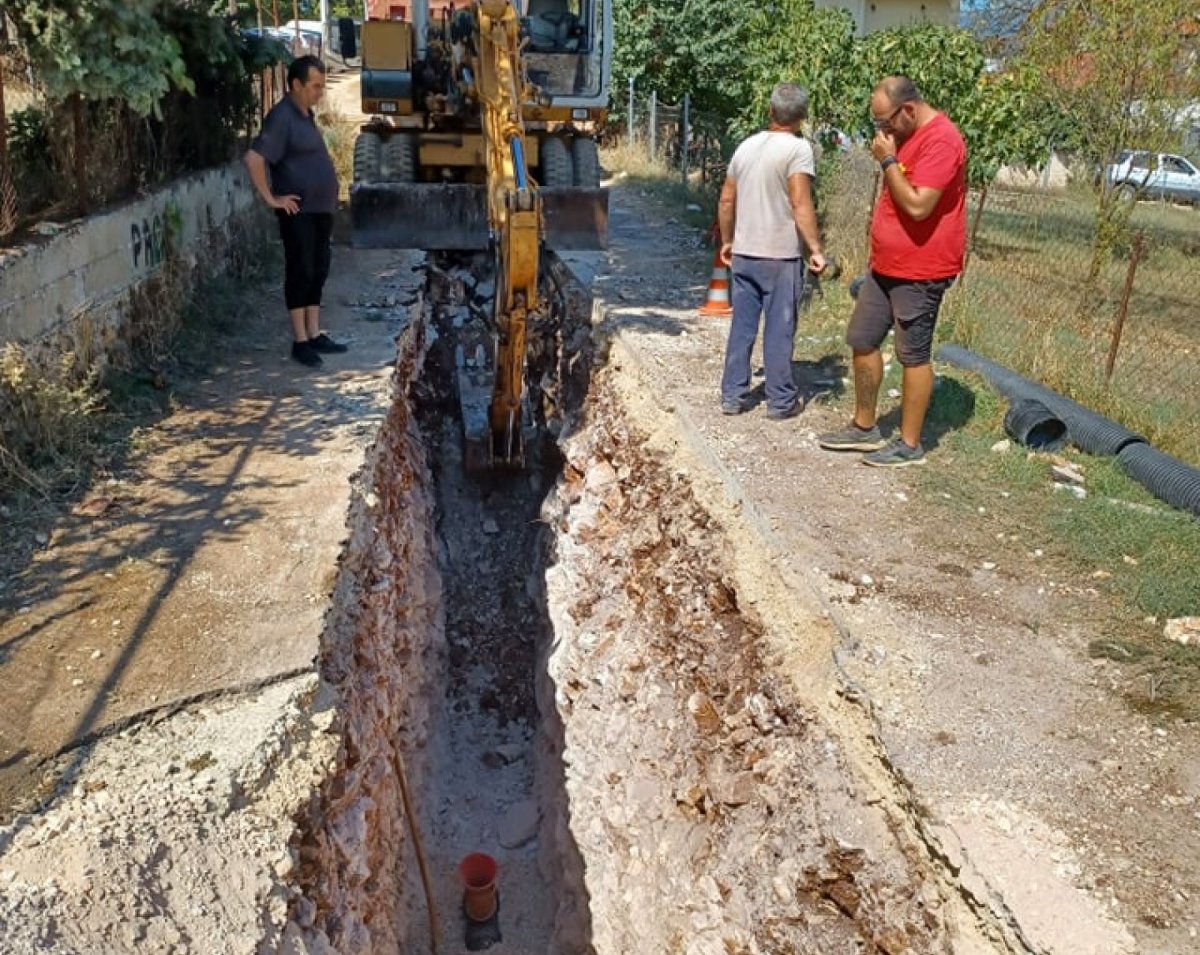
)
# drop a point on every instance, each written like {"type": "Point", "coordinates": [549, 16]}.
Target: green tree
{"type": "Point", "coordinates": [793, 41]}
{"type": "Point", "coordinates": [102, 49]}
{"type": "Point", "coordinates": [673, 47]}
{"type": "Point", "coordinates": [1123, 69]}
{"type": "Point", "coordinates": [944, 62]}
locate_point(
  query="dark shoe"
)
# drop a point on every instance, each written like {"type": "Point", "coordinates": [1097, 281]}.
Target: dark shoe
{"type": "Point", "coordinates": [782, 414]}
{"type": "Point", "coordinates": [306, 354]}
{"type": "Point", "coordinates": [734, 406]}
{"type": "Point", "coordinates": [895, 455]}
{"type": "Point", "coordinates": [852, 438]}
{"type": "Point", "coordinates": [327, 346]}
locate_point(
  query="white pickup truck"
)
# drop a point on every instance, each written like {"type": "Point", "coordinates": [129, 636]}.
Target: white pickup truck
{"type": "Point", "coordinates": [1156, 176]}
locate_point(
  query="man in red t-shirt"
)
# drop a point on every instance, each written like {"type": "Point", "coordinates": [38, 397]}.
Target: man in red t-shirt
{"type": "Point", "coordinates": [918, 237]}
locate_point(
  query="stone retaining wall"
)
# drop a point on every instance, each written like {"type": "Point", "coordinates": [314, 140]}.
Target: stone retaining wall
{"type": "Point", "coordinates": [91, 266]}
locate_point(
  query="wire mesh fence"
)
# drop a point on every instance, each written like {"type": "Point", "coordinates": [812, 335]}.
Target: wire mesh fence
{"type": "Point", "coordinates": [694, 144]}
{"type": "Point", "coordinates": [1117, 329]}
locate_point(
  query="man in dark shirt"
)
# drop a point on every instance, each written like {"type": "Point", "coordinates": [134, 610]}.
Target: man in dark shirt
{"type": "Point", "coordinates": [291, 168]}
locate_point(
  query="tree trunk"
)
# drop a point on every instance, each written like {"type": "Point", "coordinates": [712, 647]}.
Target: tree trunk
{"type": "Point", "coordinates": [983, 193]}
{"type": "Point", "coordinates": [79, 129]}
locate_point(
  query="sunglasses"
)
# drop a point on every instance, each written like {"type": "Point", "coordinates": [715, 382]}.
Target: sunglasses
{"type": "Point", "coordinates": [887, 123]}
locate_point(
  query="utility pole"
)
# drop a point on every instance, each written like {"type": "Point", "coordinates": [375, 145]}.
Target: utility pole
{"type": "Point", "coordinates": [324, 8]}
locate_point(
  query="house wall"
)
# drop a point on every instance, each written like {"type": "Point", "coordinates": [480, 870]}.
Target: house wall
{"type": "Point", "coordinates": [872, 15]}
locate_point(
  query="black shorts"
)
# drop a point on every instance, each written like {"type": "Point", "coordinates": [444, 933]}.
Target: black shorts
{"type": "Point", "coordinates": [910, 307]}
{"type": "Point", "coordinates": [306, 256]}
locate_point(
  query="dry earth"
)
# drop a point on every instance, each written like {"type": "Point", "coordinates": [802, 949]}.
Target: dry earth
{"type": "Point", "coordinates": [905, 752]}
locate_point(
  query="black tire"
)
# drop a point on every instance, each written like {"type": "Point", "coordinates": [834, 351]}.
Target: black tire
{"type": "Point", "coordinates": [587, 162]}
{"type": "Point", "coordinates": [368, 158]}
{"type": "Point", "coordinates": [1127, 191]}
{"type": "Point", "coordinates": [399, 158]}
{"type": "Point", "coordinates": [557, 169]}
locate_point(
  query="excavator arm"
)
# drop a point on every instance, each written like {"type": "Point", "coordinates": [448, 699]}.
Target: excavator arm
{"type": "Point", "coordinates": [514, 214]}
{"type": "Point", "coordinates": [445, 165]}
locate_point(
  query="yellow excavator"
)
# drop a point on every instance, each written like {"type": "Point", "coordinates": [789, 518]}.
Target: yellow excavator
{"type": "Point", "coordinates": [483, 135]}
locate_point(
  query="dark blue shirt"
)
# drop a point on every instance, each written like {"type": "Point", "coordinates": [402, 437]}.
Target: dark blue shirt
{"type": "Point", "coordinates": [297, 157]}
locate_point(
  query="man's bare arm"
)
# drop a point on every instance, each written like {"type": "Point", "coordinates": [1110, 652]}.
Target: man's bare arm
{"type": "Point", "coordinates": [727, 217]}
{"type": "Point", "coordinates": [804, 213]}
{"type": "Point", "coordinates": [257, 167]}
{"type": "Point", "coordinates": [916, 202]}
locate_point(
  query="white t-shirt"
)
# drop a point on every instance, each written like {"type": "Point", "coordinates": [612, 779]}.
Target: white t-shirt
{"type": "Point", "coordinates": [761, 167]}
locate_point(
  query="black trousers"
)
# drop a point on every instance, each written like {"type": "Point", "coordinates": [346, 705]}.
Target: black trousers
{"type": "Point", "coordinates": [306, 254]}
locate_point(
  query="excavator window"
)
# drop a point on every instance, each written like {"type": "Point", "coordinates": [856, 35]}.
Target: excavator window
{"type": "Point", "coordinates": [557, 26]}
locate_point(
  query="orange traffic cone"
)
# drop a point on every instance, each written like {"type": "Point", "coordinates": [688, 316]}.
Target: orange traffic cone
{"type": "Point", "coordinates": [717, 305]}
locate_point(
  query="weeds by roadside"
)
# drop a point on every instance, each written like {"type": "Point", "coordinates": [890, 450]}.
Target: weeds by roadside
{"type": "Point", "coordinates": [47, 405]}
{"type": "Point", "coordinates": [62, 417]}
{"type": "Point", "coordinates": [693, 202]}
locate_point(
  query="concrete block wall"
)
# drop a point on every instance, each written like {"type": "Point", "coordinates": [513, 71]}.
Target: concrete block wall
{"type": "Point", "coordinates": [92, 265]}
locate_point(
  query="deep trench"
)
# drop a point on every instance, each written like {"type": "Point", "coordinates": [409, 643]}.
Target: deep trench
{"type": "Point", "coordinates": [560, 662]}
{"type": "Point", "coordinates": [482, 794]}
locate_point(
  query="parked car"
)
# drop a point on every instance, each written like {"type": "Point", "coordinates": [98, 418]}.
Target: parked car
{"type": "Point", "coordinates": [1156, 176]}
{"type": "Point", "coordinates": [308, 43]}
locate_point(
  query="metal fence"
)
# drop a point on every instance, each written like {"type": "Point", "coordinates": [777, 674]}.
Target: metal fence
{"type": "Point", "coordinates": [695, 144]}
{"type": "Point", "coordinates": [1117, 330]}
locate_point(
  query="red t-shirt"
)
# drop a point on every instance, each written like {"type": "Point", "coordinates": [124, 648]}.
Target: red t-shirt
{"type": "Point", "coordinates": [935, 156]}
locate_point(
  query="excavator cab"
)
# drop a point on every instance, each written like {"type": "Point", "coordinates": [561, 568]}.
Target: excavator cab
{"type": "Point", "coordinates": [483, 136]}
{"type": "Point", "coordinates": [420, 169]}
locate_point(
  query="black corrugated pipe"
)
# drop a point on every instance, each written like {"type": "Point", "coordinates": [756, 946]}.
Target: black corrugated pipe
{"type": "Point", "coordinates": [1166, 477]}
{"type": "Point", "coordinates": [1034, 425]}
{"type": "Point", "coordinates": [1086, 429]}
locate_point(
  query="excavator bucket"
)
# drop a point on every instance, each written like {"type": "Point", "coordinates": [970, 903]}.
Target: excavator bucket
{"type": "Point", "coordinates": [576, 219]}
{"type": "Point", "coordinates": [413, 215]}
{"type": "Point", "coordinates": [453, 216]}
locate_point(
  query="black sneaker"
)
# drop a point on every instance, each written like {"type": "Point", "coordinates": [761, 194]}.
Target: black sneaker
{"type": "Point", "coordinates": [733, 406]}
{"type": "Point", "coordinates": [306, 354]}
{"type": "Point", "coordinates": [327, 346]}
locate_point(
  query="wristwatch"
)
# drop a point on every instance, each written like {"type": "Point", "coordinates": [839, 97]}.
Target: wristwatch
{"type": "Point", "coordinates": [887, 161]}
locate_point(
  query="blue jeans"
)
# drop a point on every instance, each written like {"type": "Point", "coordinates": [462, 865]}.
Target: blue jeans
{"type": "Point", "coordinates": [767, 287]}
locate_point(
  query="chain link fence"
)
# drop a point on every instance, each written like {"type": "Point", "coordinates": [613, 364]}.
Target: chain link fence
{"type": "Point", "coordinates": [1117, 331]}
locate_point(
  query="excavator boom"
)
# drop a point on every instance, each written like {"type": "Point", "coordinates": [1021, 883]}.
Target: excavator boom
{"type": "Point", "coordinates": [448, 165]}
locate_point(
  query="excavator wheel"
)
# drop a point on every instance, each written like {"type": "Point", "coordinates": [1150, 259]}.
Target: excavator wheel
{"type": "Point", "coordinates": [367, 157]}
{"type": "Point", "coordinates": [587, 162]}
{"type": "Point", "coordinates": [557, 172]}
{"type": "Point", "coordinates": [399, 158]}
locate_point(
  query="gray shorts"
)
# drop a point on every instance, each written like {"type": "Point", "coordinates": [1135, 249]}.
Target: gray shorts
{"type": "Point", "coordinates": [910, 307]}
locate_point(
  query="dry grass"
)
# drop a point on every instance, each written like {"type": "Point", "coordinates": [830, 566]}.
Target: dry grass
{"type": "Point", "coordinates": [48, 400]}
{"type": "Point", "coordinates": [634, 165]}
{"type": "Point", "coordinates": [340, 134]}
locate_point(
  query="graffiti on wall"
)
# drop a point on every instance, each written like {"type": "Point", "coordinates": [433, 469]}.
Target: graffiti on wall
{"type": "Point", "coordinates": [153, 239]}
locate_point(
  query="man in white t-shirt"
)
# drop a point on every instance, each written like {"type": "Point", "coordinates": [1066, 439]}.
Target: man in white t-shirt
{"type": "Point", "coordinates": [768, 220]}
